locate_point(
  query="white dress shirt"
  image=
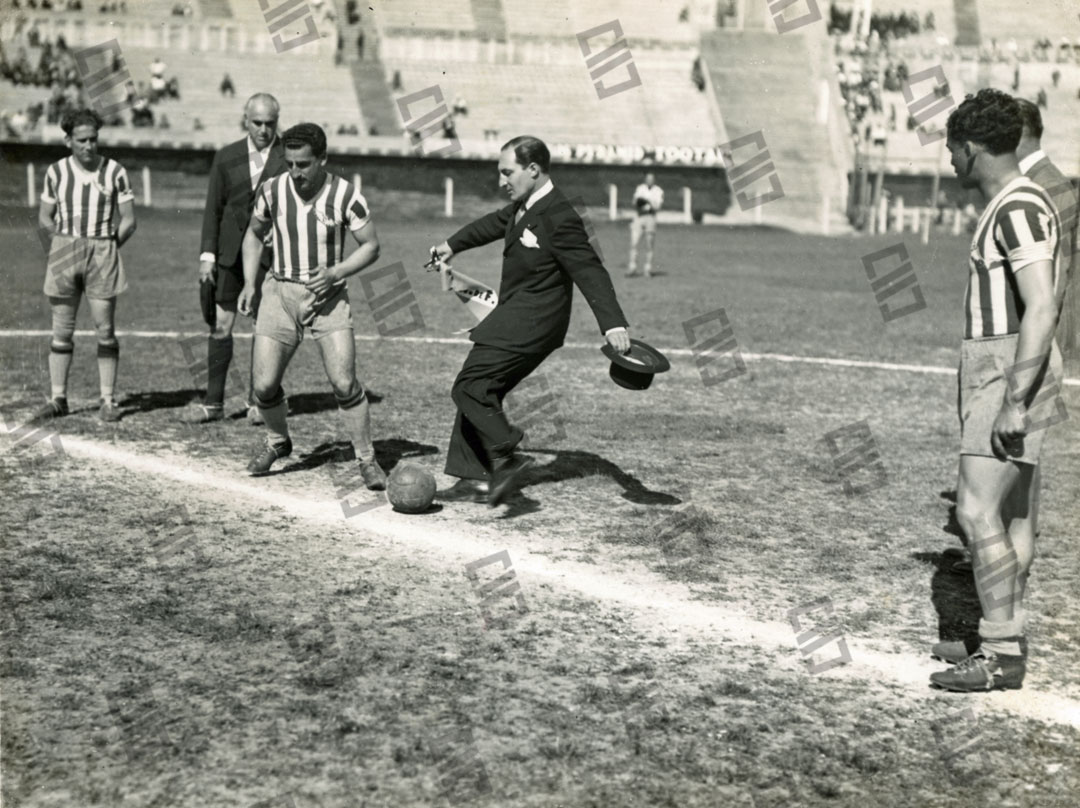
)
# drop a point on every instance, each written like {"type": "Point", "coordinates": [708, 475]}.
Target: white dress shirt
{"type": "Point", "coordinates": [256, 163]}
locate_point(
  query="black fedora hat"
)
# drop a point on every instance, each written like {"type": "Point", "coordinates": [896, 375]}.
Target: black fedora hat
{"type": "Point", "coordinates": [635, 370]}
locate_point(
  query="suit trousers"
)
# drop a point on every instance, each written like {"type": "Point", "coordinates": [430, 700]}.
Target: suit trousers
{"type": "Point", "coordinates": [482, 432]}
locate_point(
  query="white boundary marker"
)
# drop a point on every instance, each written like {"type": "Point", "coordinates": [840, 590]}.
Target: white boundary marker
{"type": "Point", "coordinates": [667, 602]}
{"type": "Point", "coordinates": [935, 370]}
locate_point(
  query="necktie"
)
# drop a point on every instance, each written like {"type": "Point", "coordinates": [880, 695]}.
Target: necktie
{"type": "Point", "coordinates": [520, 212]}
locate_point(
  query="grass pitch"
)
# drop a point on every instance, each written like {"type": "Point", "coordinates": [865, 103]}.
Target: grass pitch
{"type": "Point", "coordinates": [272, 658]}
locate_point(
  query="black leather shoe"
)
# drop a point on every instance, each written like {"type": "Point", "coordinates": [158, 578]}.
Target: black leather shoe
{"type": "Point", "coordinates": [465, 491]}
{"type": "Point", "coordinates": [981, 672]}
{"type": "Point", "coordinates": [261, 463]}
{"type": "Point", "coordinates": [506, 478]}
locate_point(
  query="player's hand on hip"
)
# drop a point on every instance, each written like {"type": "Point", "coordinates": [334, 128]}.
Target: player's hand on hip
{"type": "Point", "coordinates": [243, 304]}
{"type": "Point", "coordinates": [1010, 428]}
{"type": "Point", "coordinates": [206, 272]}
{"type": "Point", "coordinates": [619, 340]}
{"type": "Point", "coordinates": [444, 252]}
{"type": "Point", "coordinates": [320, 280]}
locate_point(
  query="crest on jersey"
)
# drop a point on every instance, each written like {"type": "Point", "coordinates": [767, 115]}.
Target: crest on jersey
{"type": "Point", "coordinates": [326, 220]}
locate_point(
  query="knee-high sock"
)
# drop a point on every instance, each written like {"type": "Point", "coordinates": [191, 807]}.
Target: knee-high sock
{"type": "Point", "coordinates": [218, 356]}
{"type": "Point", "coordinates": [108, 358]}
{"type": "Point", "coordinates": [59, 366]}
{"type": "Point", "coordinates": [274, 412]}
{"type": "Point", "coordinates": [356, 412]}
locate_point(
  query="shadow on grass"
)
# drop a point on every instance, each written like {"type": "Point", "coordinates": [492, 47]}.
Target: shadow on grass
{"type": "Point", "coordinates": [574, 464]}
{"type": "Point", "coordinates": [299, 404]}
{"type": "Point", "coordinates": [388, 452]}
{"type": "Point", "coordinates": [311, 403]}
{"type": "Point", "coordinates": [953, 595]}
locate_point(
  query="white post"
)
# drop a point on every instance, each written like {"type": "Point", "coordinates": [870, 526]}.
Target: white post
{"type": "Point", "coordinates": [899, 211]}
{"type": "Point", "coordinates": [757, 214]}
{"type": "Point", "coordinates": [448, 201]}
{"type": "Point", "coordinates": [826, 212]}
{"type": "Point", "coordinates": [31, 185]}
{"type": "Point", "coordinates": [926, 226]}
{"type": "Point", "coordinates": [883, 214]}
{"type": "Point", "coordinates": [687, 206]}
{"type": "Point", "coordinates": [356, 181]}
{"type": "Point", "coordinates": [957, 215]}
{"type": "Point", "coordinates": [613, 201]}
{"type": "Point", "coordinates": [146, 186]}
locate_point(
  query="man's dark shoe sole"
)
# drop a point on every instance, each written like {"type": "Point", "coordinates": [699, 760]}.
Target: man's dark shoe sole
{"type": "Point", "coordinates": [464, 491]}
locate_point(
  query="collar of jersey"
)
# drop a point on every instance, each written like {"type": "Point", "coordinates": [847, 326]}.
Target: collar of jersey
{"type": "Point", "coordinates": [83, 174]}
{"type": "Point", "coordinates": [315, 198]}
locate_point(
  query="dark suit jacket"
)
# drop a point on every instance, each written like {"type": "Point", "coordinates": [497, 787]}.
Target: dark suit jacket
{"type": "Point", "coordinates": [537, 285]}
{"type": "Point", "coordinates": [230, 200]}
{"type": "Point", "coordinates": [1047, 175]}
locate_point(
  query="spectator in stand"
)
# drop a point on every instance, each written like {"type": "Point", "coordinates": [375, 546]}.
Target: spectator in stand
{"type": "Point", "coordinates": [1041, 99]}
{"type": "Point", "coordinates": [352, 13]}
{"type": "Point", "coordinates": [157, 67]}
{"type": "Point", "coordinates": [460, 107]}
{"type": "Point", "coordinates": [396, 82]}
{"type": "Point", "coordinates": [697, 75]}
{"type": "Point", "coordinates": [448, 128]}
{"type": "Point", "coordinates": [163, 123]}
{"type": "Point", "coordinates": [197, 125]}
{"type": "Point", "coordinates": [227, 87]}
{"type": "Point", "coordinates": [360, 44]}
{"type": "Point", "coordinates": [1055, 77]}
{"type": "Point", "coordinates": [172, 88]}
{"type": "Point", "coordinates": [19, 123]}
{"type": "Point", "coordinates": [56, 106]}
{"type": "Point", "coordinates": [157, 88]}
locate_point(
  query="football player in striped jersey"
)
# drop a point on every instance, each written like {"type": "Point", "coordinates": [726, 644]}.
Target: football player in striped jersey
{"type": "Point", "coordinates": [1009, 380]}
{"type": "Point", "coordinates": [88, 209]}
{"type": "Point", "coordinates": [309, 211]}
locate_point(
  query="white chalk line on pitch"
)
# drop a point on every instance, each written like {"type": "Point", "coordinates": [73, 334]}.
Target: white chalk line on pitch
{"type": "Point", "coordinates": [936, 370]}
{"type": "Point", "coordinates": [666, 601]}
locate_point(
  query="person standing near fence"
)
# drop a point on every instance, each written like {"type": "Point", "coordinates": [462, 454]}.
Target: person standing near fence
{"type": "Point", "coordinates": [88, 207]}
{"type": "Point", "coordinates": [648, 199]}
{"type": "Point", "coordinates": [235, 175]}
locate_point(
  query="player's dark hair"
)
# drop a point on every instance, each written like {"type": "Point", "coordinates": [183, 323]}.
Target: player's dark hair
{"type": "Point", "coordinates": [80, 117]}
{"type": "Point", "coordinates": [306, 134]}
{"type": "Point", "coordinates": [1032, 118]}
{"type": "Point", "coordinates": [529, 149]}
{"type": "Point", "coordinates": [991, 118]}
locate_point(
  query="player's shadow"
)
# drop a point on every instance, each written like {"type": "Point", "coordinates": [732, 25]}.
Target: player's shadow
{"type": "Point", "coordinates": [574, 464]}
{"type": "Point", "coordinates": [311, 403]}
{"type": "Point", "coordinates": [388, 452]}
{"type": "Point", "coordinates": [953, 595]}
{"type": "Point", "coordinates": [160, 400]}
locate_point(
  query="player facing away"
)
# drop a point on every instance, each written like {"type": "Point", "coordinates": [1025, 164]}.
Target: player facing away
{"type": "Point", "coordinates": [1009, 368]}
{"type": "Point", "coordinates": [88, 207]}
{"type": "Point", "coordinates": [235, 175]}
{"type": "Point", "coordinates": [309, 210]}
{"type": "Point", "coordinates": [648, 199]}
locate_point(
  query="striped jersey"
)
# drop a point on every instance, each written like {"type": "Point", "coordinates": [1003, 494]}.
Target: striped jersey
{"type": "Point", "coordinates": [86, 201]}
{"type": "Point", "coordinates": [309, 234]}
{"type": "Point", "coordinates": [1019, 227]}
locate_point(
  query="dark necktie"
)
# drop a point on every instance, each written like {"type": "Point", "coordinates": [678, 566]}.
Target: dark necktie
{"type": "Point", "coordinates": [520, 212]}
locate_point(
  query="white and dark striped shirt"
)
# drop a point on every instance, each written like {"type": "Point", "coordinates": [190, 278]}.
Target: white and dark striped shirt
{"type": "Point", "coordinates": [86, 201]}
{"type": "Point", "coordinates": [309, 234]}
{"type": "Point", "coordinates": [1019, 227]}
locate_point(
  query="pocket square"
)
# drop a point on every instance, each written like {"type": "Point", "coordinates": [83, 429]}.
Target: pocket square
{"type": "Point", "coordinates": [528, 238]}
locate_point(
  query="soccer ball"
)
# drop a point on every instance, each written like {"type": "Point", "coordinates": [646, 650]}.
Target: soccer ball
{"type": "Point", "coordinates": [410, 489]}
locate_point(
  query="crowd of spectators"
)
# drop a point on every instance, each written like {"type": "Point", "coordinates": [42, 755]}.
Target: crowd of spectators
{"type": "Point", "coordinates": [887, 26]}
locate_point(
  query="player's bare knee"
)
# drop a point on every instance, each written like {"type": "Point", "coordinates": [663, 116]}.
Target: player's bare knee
{"type": "Point", "coordinates": [267, 397]}
{"type": "Point", "coordinates": [351, 397]}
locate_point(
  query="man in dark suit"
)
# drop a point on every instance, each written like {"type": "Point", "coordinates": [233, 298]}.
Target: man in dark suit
{"type": "Point", "coordinates": [545, 253]}
{"type": "Point", "coordinates": [1036, 165]}
{"type": "Point", "coordinates": [234, 176]}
